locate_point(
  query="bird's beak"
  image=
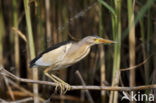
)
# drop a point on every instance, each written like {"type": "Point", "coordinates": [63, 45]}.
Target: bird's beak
{"type": "Point", "coordinates": [101, 40]}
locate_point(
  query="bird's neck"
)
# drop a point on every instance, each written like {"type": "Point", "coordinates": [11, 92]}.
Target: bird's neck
{"type": "Point", "coordinates": [83, 43]}
{"type": "Point", "coordinates": [82, 51]}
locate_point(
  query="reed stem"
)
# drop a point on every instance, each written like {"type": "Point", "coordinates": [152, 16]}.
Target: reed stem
{"type": "Point", "coordinates": [102, 56]}
{"type": "Point", "coordinates": [16, 48]}
{"type": "Point", "coordinates": [48, 22]}
{"type": "Point", "coordinates": [131, 41]}
{"type": "Point", "coordinates": [2, 32]}
{"type": "Point", "coordinates": [31, 48]}
{"type": "Point", "coordinates": [116, 27]}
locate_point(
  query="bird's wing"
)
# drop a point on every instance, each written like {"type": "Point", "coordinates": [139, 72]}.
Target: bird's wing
{"type": "Point", "coordinates": [51, 55]}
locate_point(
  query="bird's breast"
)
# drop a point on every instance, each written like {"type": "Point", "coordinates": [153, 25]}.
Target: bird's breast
{"type": "Point", "coordinates": [82, 54]}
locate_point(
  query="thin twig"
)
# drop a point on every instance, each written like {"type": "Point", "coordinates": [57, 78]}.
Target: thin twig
{"type": "Point", "coordinates": [72, 37]}
{"type": "Point", "coordinates": [23, 89]}
{"type": "Point", "coordinates": [20, 34]}
{"type": "Point", "coordinates": [84, 84]}
{"type": "Point", "coordinates": [108, 88]}
{"type": "Point", "coordinates": [18, 101]}
{"type": "Point", "coordinates": [25, 100]}
{"type": "Point", "coordinates": [78, 15]}
{"type": "Point", "coordinates": [3, 101]}
{"type": "Point", "coordinates": [136, 66]}
{"type": "Point", "coordinates": [9, 88]}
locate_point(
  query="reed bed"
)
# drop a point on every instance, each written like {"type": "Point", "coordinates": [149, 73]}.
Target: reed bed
{"type": "Point", "coordinates": [27, 27]}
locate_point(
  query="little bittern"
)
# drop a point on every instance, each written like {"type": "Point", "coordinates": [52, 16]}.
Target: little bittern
{"type": "Point", "coordinates": [65, 54]}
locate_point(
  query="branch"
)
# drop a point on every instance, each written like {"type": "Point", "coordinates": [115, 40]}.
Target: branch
{"type": "Point", "coordinates": [24, 90]}
{"type": "Point", "coordinates": [9, 88]}
{"type": "Point", "coordinates": [84, 84]}
{"type": "Point", "coordinates": [108, 88]}
{"type": "Point", "coordinates": [18, 101]}
{"type": "Point", "coordinates": [20, 34]}
{"type": "Point", "coordinates": [136, 66]}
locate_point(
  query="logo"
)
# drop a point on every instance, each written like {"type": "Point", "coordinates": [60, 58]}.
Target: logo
{"type": "Point", "coordinates": [137, 96]}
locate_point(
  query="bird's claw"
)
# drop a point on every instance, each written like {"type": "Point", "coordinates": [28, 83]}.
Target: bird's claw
{"type": "Point", "coordinates": [64, 87]}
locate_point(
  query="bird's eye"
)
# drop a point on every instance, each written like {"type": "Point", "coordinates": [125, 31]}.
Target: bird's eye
{"type": "Point", "coordinates": [96, 40]}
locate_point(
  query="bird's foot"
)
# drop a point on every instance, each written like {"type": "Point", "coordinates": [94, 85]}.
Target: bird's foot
{"type": "Point", "coordinates": [64, 87]}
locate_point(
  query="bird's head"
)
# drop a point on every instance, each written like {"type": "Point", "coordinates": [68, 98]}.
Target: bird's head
{"type": "Point", "coordinates": [92, 40]}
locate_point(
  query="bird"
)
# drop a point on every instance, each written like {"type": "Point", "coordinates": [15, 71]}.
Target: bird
{"type": "Point", "coordinates": [65, 54]}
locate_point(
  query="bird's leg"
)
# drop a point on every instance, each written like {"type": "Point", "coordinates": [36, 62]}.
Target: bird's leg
{"type": "Point", "coordinates": [53, 79]}
{"type": "Point", "coordinates": [65, 86]}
